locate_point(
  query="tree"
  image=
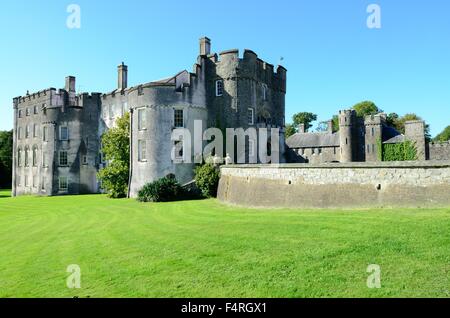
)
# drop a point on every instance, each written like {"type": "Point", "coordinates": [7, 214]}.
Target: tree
{"type": "Point", "coordinates": [335, 121]}
{"type": "Point", "coordinates": [322, 126]}
{"type": "Point", "coordinates": [304, 118]}
{"type": "Point", "coordinates": [116, 149]}
{"type": "Point", "coordinates": [443, 136]}
{"type": "Point", "coordinates": [290, 130]}
{"type": "Point", "coordinates": [6, 149]}
{"type": "Point", "coordinates": [398, 123]}
{"type": "Point", "coordinates": [366, 108]}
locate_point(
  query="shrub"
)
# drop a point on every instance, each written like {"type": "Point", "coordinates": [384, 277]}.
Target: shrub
{"type": "Point", "coordinates": [207, 179]}
{"type": "Point", "coordinates": [162, 190]}
{"type": "Point", "coordinates": [399, 152]}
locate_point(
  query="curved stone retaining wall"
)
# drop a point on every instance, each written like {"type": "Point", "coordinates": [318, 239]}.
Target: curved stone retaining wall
{"type": "Point", "coordinates": [409, 184]}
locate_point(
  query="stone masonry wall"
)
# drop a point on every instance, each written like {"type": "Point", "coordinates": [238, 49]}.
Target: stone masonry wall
{"type": "Point", "coordinates": [337, 185]}
{"type": "Point", "coordinates": [439, 151]}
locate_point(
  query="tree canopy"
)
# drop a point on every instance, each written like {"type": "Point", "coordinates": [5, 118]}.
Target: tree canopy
{"type": "Point", "coordinates": [116, 149]}
{"type": "Point", "coordinates": [305, 118]}
{"type": "Point", "coordinates": [444, 135]}
{"type": "Point", "coordinates": [6, 148]}
{"type": "Point", "coordinates": [366, 108]}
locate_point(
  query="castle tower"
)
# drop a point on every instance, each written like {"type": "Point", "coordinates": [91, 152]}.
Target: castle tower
{"type": "Point", "coordinates": [346, 118]}
{"type": "Point", "coordinates": [415, 132]}
{"type": "Point", "coordinates": [373, 134]}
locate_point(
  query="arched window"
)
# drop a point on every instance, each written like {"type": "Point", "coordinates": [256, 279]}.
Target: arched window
{"type": "Point", "coordinates": [19, 157]}
{"type": "Point", "coordinates": [26, 157]}
{"type": "Point", "coordinates": [35, 150]}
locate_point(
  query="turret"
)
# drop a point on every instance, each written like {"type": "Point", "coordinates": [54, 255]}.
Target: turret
{"type": "Point", "coordinates": [346, 118]}
{"type": "Point", "coordinates": [373, 134]}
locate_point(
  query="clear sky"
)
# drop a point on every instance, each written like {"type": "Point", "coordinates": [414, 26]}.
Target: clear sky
{"type": "Point", "coordinates": [333, 59]}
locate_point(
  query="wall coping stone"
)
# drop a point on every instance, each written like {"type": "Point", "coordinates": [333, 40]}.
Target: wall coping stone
{"type": "Point", "coordinates": [361, 165]}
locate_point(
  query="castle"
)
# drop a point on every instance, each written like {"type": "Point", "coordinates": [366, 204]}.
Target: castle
{"type": "Point", "coordinates": [57, 133]}
{"type": "Point", "coordinates": [357, 141]}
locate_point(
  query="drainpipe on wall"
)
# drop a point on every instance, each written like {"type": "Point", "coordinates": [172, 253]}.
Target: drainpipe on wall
{"type": "Point", "coordinates": [130, 174]}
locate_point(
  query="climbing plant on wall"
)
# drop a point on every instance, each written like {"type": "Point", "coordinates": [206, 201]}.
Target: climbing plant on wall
{"type": "Point", "coordinates": [399, 152]}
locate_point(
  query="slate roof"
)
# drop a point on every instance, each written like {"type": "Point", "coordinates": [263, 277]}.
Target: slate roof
{"type": "Point", "coordinates": [311, 140]}
{"type": "Point", "coordinates": [395, 140]}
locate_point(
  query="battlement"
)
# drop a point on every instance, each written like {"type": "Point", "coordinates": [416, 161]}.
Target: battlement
{"type": "Point", "coordinates": [346, 117]}
{"type": "Point", "coordinates": [248, 60]}
{"type": "Point", "coordinates": [375, 119]}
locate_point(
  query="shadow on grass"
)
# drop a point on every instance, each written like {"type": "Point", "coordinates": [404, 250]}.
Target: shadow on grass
{"type": "Point", "coordinates": [5, 193]}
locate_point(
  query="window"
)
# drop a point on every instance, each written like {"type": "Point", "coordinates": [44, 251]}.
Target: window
{"type": "Point", "coordinates": [373, 131]}
{"type": "Point", "coordinates": [43, 183]}
{"type": "Point", "coordinates": [19, 133]}
{"type": "Point", "coordinates": [373, 148]}
{"type": "Point", "coordinates": [35, 130]}
{"type": "Point", "coordinates": [251, 147]}
{"type": "Point", "coordinates": [26, 157]}
{"type": "Point", "coordinates": [219, 88]}
{"type": "Point", "coordinates": [124, 108]}
{"type": "Point", "coordinates": [19, 157]}
{"type": "Point", "coordinates": [63, 184]}
{"type": "Point", "coordinates": [35, 109]}
{"type": "Point", "coordinates": [178, 118]}
{"type": "Point", "coordinates": [34, 181]}
{"type": "Point", "coordinates": [26, 180]}
{"type": "Point", "coordinates": [368, 148]}
{"type": "Point", "coordinates": [44, 160]}
{"type": "Point", "coordinates": [264, 91]}
{"type": "Point", "coordinates": [179, 150]}
{"type": "Point", "coordinates": [27, 112]}
{"type": "Point", "coordinates": [19, 181]}
{"type": "Point", "coordinates": [45, 133]}
{"type": "Point", "coordinates": [63, 133]}
{"type": "Point", "coordinates": [142, 150]}
{"type": "Point", "coordinates": [111, 111]}
{"type": "Point", "coordinates": [346, 141]}
{"type": "Point", "coordinates": [141, 119]}
{"type": "Point", "coordinates": [84, 160]}
{"type": "Point", "coordinates": [63, 158]}
{"type": "Point", "coordinates": [27, 131]}
{"type": "Point", "coordinates": [20, 113]}
{"type": "Point", "coordinates": [250, 116]}
{"type": "Point", "coordinates": [34, 157]}
{"type": "Point", "coordinates": [319, 150]}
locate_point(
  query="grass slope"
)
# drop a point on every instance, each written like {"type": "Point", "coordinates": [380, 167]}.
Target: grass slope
{"type": "Point", "coordinates": [205, 249]}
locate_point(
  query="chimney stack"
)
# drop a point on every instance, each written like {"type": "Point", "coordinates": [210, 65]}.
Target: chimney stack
{"type": "Point", "coordinates": [70, 84]}
{"type": "Point", "coordinates": [301, 129]}
{"type": "Point", "coordinates": [122, 78]}
{"type": "Point", "coordinates": [205, 46]}
{"type": "Point", "coordinates": [330, 126]}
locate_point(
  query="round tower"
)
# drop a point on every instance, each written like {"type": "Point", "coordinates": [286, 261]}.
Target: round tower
{"type": "Point", "coordinates": [345, 134]}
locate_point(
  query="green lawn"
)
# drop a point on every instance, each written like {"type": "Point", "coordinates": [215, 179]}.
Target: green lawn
{"type": "Point", "coordinates": [206, 249]}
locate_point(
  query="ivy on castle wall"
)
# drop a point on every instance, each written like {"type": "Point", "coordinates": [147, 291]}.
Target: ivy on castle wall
{"type": "Point", "coordinates": [405, 151]}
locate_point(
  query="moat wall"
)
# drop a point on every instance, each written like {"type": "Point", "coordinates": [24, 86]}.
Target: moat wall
{"type": "Point", "coordinates": [408, 184]}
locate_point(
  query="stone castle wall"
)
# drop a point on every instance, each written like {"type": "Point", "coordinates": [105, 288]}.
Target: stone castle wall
{"type": "Point", "coordinates": [439, 151]}
{"type": "Point", "coordinates": [410, 184]}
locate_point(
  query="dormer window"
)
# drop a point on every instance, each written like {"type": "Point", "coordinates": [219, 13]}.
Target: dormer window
{"type": "Point", "coordinates": [219, 88]}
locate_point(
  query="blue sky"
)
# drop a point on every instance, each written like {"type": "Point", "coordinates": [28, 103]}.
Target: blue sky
{"type": "Point", "coordinates": [333, 59]}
